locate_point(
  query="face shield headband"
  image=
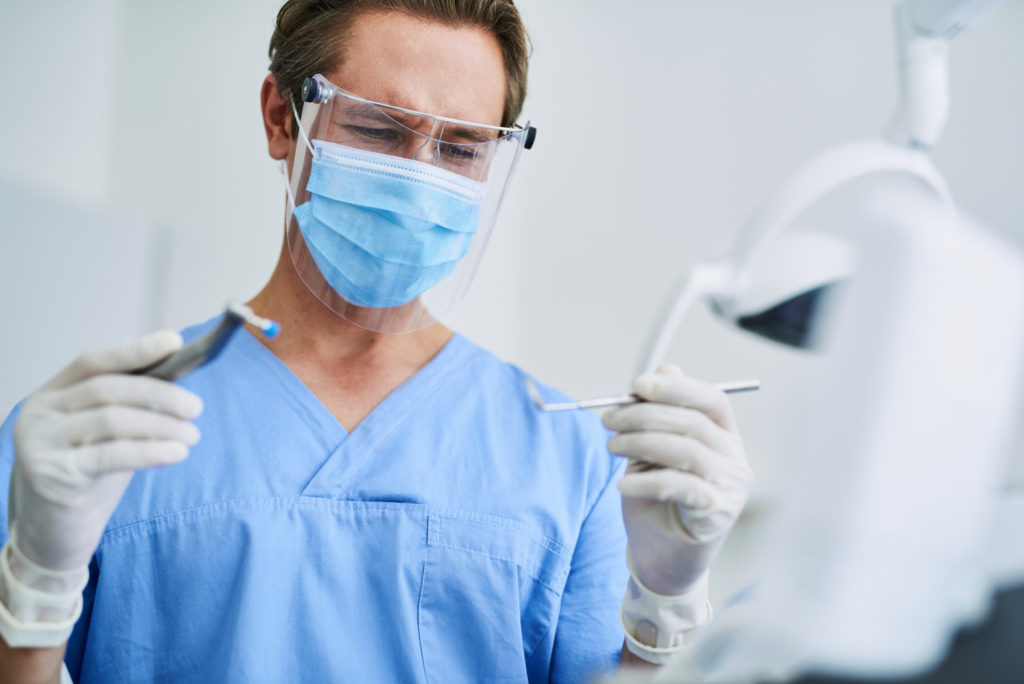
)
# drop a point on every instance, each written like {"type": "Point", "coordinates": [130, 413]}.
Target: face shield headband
{"type": "Point", "coordinates": [392, 208]}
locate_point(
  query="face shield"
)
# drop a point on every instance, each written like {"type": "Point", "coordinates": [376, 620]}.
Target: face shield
{"type": "Point", "coordinates": [392, 208]}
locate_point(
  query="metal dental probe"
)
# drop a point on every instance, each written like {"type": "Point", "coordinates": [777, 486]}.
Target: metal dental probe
{"type": "Point", "coordinates": [727, 387]}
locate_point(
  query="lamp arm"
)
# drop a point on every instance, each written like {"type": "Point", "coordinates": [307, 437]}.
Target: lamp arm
{"type": "Point", "coordinates": [706, 281]}
{"type": "Point", "coordinates": [923, 31]}
{"type": "Point", "coordinates": [818, 177]}
{"type": "Point", "coordinates": [924, 28]}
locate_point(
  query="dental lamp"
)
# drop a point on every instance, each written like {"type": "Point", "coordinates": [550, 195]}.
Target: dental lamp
{"type": "Point", "coordinates": [775, 279]}
{"type": "Point", "coordinates": [879, 548]}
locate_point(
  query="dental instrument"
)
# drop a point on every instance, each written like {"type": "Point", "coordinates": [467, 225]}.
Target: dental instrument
{"type": "Point", "coordinates": [727, 387]}
{"type": "Point", "coordinates": [206, 347]}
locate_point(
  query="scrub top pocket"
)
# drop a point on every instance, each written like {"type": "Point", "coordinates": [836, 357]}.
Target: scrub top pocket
{"type": "Point", "coordinates": [490, 594]}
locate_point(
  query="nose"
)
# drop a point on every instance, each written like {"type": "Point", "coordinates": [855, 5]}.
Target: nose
{"type": "Point", "coordinates": [425, 150]}
{"type": "Point", "coordinates": [425, 145]}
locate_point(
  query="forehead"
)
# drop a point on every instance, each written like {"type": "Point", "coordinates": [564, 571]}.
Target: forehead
{"type": "Point", "coordinates": [401, 60]}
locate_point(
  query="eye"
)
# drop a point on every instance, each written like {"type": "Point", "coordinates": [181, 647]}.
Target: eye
{"type": "Point", "coordinates": [374, 134]}
{"type": "Point", "coordinates": [460, 153]}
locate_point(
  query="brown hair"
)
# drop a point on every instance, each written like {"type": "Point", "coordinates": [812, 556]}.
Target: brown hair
{"type": "Point", "coordinates": [299, 49]}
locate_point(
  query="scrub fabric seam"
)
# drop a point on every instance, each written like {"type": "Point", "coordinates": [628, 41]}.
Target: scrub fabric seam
{"type": "Point", "coordinates": [513, 561]}
{"type": "Point", "coordinates": [614, 477]}
{"type": "Point", "coordinates": [129, 530]}
{"type": "Point", "coordinates": [434, 524]}
{"type": "Point", "coordinates": [419, 613]}
{"type": "Point", "coordinates": [611, 480]}
{"type": "Point", "coordinates": [282, 502]}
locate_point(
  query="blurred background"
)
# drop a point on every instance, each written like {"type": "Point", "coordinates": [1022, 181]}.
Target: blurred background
{"type": "Point", "coordinates": [138, 193]}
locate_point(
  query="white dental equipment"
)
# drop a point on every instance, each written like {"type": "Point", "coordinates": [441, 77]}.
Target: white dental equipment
{"type": "Point", "coordinates": [877, 554]}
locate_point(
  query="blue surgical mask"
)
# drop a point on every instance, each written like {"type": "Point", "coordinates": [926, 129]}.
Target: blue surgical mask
{"type": "Point", "coordinates": [383, 230]}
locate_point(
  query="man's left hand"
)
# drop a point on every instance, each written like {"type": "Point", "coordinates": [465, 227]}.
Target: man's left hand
{"type": "Point", "coordinates": [687, 478]}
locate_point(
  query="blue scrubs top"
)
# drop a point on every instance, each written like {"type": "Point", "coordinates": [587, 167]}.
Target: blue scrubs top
{"type": "Point", "coordinates": [456, 535]}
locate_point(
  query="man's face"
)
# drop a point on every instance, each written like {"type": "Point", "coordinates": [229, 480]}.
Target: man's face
{"type": "Point", "coordinates": [457, 73]}
{"type": "Point", "coordinates": [425, 66]}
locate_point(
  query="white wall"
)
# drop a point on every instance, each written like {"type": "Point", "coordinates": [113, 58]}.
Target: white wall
{"type": "Point", "coordinates": [661, 130]}
{"type": "Point", "coordinates": [74, 277]}
{"type": "Point", "coordinates": [662, 125]}
{"type": "Point", "coordinates": [191, 148]}
{"type": "Point", "coordinates": [56, 80]}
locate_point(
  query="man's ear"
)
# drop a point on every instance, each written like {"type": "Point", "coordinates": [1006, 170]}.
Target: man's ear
{"type": "Point", "coordinates": [277, 119]}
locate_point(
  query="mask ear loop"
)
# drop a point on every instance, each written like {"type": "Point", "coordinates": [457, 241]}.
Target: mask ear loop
{"type": "Point", "coordinates": [284, 162]}
{"type": "Point", "coordinates": [302, 131]}
{"type": "Point", "coordinates": [288, 185]}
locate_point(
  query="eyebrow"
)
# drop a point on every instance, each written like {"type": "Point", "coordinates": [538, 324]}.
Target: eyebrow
{"type": "Point", "coordinates": [369, 115]}
{"type": "Point", "coordinates": [450, 132]}
{"type": "Point", "coordinates": [476, 135]}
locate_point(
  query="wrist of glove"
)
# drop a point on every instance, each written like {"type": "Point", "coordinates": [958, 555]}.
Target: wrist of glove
{"type": "Point", "coordinates": [38, 607]}
{"type": "Point", "coordinates": [657, 626]}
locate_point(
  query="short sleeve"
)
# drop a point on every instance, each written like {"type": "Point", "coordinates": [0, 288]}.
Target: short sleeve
{"type": "Point", "coordinates": [6, 464]}
{"type": "Point", "coordinates": [588, 637]}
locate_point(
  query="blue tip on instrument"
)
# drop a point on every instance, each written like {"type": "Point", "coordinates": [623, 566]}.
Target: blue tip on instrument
{"type": "Point", "coordinates": [266, 326]}
{"type": "Point", "coordinates": [206, 347]}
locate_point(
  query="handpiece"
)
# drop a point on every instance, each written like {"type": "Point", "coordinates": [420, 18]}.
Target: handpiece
{"type": "Point", "coordinates": [206, 347]}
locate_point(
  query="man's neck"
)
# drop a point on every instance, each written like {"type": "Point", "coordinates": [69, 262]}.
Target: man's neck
{"type": "Point", "coordinates": [349, 368]}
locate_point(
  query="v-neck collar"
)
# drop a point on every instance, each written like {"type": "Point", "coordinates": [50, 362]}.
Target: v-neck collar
{"type": "Point", "coordinates": [278, 377]}
{"type": "Point", "coordinates": [349, 450]}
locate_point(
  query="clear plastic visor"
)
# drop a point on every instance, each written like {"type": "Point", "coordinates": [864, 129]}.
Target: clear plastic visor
{"type": "Point", "coordinates": [394, 246]}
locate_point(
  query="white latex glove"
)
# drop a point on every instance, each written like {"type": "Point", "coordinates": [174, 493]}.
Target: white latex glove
{"type": "Point", "coordinates": [687, 478]}
{"type": "Point", "coordinates": [79, 438]}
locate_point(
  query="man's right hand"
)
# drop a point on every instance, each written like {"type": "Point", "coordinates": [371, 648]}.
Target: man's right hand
{"type": "Point", "coordinates": [77, 442]}
{"type": "Point", "coordinates": [80, 437]}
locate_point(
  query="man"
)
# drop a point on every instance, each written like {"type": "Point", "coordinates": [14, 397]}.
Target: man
{"type": "Point", "coordinates": [364, 505]}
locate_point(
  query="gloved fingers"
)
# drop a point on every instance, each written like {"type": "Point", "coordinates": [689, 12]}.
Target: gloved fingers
{"type": "Point", "coordinates": [127, 356]}
{"type": "Point", "coordinates": [685, 489]}
{"type": "Point", "coordinates": [128, 390]}
{"type": "Point", "coordinates": [677, 452]}
{"type": "Point", "coordinates": [650, 416]}
{"type": "Point", "coordinates": [668, 386]}
{"type": "Point", "coordinates": [112, 423]}
{"type": "Point", "coordinates": [128, 454]}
